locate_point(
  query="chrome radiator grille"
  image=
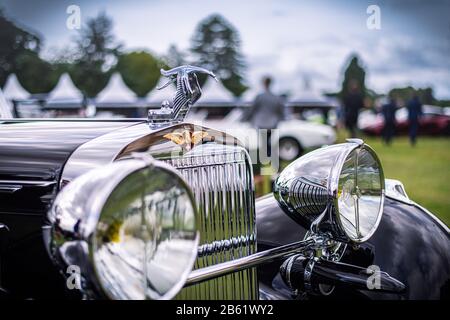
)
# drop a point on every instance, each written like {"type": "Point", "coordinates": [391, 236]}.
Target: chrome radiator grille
{"type": "Point", "coordinates": [222, 181]}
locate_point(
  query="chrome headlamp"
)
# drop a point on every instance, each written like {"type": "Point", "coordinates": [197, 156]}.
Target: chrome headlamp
{"type": "Point", "coordinates": [336, 190]}
{"type": "Point", "coordinates": [129, 227]}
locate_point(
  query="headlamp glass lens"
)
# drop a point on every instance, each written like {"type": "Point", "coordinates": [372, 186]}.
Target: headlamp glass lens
{"type": "Point", "coordinates": [145, 241]}
{"type": "Point", "coordinates": [360, 194]}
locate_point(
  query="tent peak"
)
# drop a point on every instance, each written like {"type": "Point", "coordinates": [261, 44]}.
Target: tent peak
{"type": "Point", "coordinates": [13, 90]}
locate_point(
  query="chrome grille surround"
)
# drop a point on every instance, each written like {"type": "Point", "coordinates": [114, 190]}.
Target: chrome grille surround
{"type": "Point", "coordinates": [221, 179]}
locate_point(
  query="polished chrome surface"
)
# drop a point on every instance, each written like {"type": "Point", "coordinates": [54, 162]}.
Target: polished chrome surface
{"type": "Point", "coordinates": [222, 184]}
{"type": "Point", "coordinates": [244, 263]}
{"type": "Point", "coordinates": [286, 269]}
{"type": "Point", "coordinates": [337, 190]}
{"type": "Point", "coordinates": [307, 196]}
{"type": "Point", "coordinates": [10, 188]}
{"type": "Point", "coordinates": [333, 251]}
{"type": "Point", "coordinates": [101, 150]}
{"type": "Point", "coordinates": [26, 182]}
{"type": "Point", "coordinates": [396, 190]}
{"type": "Point", "coordinates": [187, 93]}
{"type": "Point", "coordinates": [130, 227]}
{"type": "Point", "coordinates": [305, 247]}
{"type": "Point", "coordinates": [314, 170]}
{"type": "Point", "coordinates": [221, 179]}
{"type": "Point", "coordinates": [123, 141]}
{"type": "Point", "coordinates": [308, 273]}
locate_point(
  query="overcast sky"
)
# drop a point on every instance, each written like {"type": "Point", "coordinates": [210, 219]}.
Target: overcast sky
{"type": "Point", "coordinates": [292, 40]}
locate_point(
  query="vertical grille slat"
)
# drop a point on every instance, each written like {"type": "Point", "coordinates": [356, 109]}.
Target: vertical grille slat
{"type": "Point", "coordinates": [222, 182]}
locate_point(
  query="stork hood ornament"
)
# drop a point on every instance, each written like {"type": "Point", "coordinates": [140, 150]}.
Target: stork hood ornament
{"type": "Point", "coordinates": [187, 93]}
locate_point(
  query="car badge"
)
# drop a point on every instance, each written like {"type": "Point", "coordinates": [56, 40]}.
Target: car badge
{"type": "Point", "coordinates": [187, 139]}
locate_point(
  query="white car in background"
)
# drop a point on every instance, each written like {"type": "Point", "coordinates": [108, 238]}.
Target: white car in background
{"type": "Point", "coordinates": [295, 136]}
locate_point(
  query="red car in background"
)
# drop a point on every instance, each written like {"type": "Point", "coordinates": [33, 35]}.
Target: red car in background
{"type": "Point", "coordinates": [434, 121]}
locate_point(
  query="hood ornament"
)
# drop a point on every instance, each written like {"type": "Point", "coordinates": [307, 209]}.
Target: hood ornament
{"type": "Point", "coordinates": [187, 93]}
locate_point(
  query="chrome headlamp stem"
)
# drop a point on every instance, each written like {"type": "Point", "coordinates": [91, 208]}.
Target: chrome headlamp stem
{"type": "Point", "coordinates": [253, 260]}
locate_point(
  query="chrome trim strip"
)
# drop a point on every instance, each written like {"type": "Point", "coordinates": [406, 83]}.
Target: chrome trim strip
{"type": "Point", "coordinates": [27, 182]}
{"type": "Point", "coordinates": [253, 260]}
{"type": "Point", "coordinates": [10, 188]}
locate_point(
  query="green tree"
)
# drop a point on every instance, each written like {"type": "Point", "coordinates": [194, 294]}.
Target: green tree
{"type": "Point", "coordinates": [96, 54]}
{"type": "Point", "coordinates": [14, 41]}
{"type": "Point", "coordinates": [216, 46]}
{"type": "Point", "coordinates": [35, 74]}
{"type": "Point", "coordinates": [404, 94]}
{"type": "Point", "coordinates": [140, 71]}
{"type": "Point", "coordinates": [354, 73]}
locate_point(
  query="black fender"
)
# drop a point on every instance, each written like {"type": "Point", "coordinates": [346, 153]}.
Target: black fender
{"type": "Point", "coordinates": [409, 244]}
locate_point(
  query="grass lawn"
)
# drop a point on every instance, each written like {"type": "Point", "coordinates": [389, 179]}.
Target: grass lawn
{"type": "Point", "coordinates": [424, 170]}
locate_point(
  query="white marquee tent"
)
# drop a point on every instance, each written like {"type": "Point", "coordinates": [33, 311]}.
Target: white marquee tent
{"type": "Point", "coordinates": [116, 91]}
{"type": "Point", "coordinates": [5, 108]}
{"type": "Point", "coordinates": [65, 91]}
{"type": "Point", "coordinates": [215, 93]}
{"type": "Point", "coordinates": [13, 90]}
{"type": "Point", "coordinates": [309, 97]}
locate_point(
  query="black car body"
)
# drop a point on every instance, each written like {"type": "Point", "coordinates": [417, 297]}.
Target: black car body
{"type": "Point", "coordinates": [39, 158]}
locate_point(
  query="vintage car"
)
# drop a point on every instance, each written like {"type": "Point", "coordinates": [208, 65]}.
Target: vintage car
{"type": "Point", "coordinates": [163, 209]}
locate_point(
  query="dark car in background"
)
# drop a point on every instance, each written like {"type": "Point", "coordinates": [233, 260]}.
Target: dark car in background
{"type": "Point", "coordinates": [435, 121]}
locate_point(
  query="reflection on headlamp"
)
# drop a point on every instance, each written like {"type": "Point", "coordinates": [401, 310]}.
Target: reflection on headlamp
{"type": "Point", "coordinates": [130, 226]}
{"type": "Point", "coordinates": [152, 242]}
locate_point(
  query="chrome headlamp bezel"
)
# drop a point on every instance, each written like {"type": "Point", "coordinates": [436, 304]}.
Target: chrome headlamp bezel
{"type": "Point", "coordinates": [76, 212]}
{"type": "Point", "coordinates": [308, 190]}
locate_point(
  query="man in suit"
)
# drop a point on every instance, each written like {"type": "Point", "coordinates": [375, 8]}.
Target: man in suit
{"type": "Point", "coordinates": [267, 111]}
{"type": "Point", "coordinates": [414, 113]}
{"type": "Point", "coordinates": [353, 102]}
{"type": "Point", "coordinates": [388, 110]}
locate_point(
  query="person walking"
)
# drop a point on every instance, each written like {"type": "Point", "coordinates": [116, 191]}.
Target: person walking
{"type": "Point", "coordinates": [267, 111]}
{"type": "Point", "coordinates": [353, 102]}
{"type": "Point", "coordinates": [388, 111]}
{"type": "Point", "coordinates": [414, 107]}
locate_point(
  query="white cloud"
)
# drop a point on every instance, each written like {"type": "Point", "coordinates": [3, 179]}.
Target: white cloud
{"type": "Point", "coordinates": [288, 39]}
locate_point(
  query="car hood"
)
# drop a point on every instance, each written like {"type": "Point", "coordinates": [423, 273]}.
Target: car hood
{"type": "Point", "coordinates": [37, 150]}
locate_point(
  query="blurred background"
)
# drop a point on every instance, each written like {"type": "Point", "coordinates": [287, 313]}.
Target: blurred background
{"type": "Point", "coordinates": [102, 59]}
